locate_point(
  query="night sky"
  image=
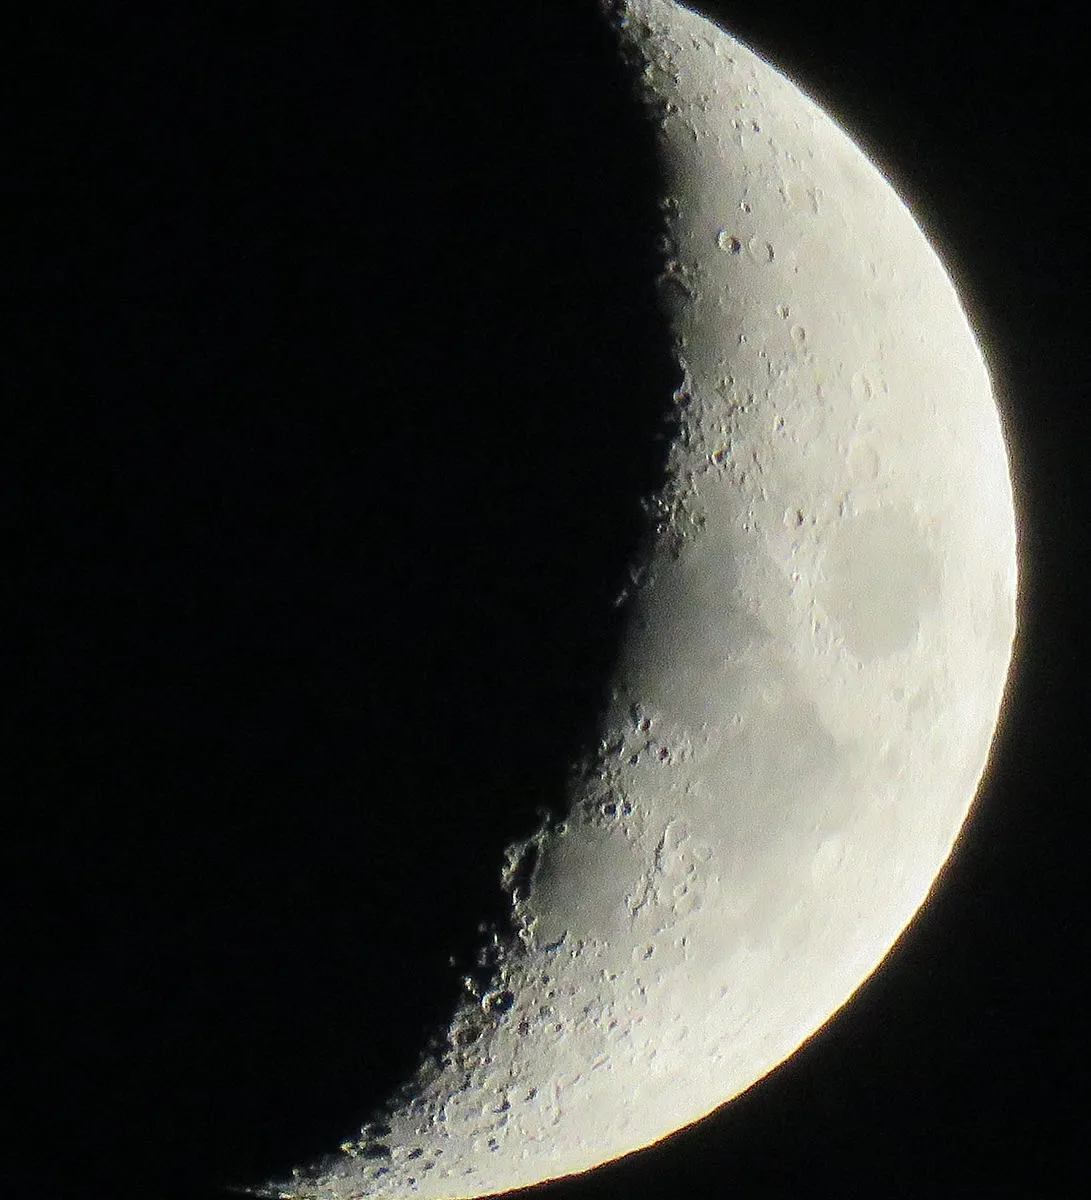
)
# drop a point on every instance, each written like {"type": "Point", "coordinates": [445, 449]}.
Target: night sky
{"type": "Point", "coordinates": [337, 376]}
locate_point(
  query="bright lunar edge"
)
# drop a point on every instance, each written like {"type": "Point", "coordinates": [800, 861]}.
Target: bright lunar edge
{"type": "Point", "coordinates": [818, 643]}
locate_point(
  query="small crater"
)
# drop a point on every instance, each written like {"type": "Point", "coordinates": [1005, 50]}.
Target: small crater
{"type": "Point", "coordinates": [498, 1002]}
{"type": "Point", "coordinates": [863, 390]}
{"type": "Point", "coordinates": [522, 864]}
{"type": "Point", "coordinates": [467, 1035]}
{"type": "Point", "coordinates": [728, 242]}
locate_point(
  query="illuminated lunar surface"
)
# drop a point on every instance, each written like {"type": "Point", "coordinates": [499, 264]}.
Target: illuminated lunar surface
{"type": "Point", "coordinates": [819, 638]}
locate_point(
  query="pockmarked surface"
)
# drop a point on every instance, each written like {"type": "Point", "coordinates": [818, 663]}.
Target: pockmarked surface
{"type": "Point", "coordinates": [819, 639]}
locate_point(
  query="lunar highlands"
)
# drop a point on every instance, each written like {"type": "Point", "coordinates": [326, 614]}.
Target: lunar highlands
{"type": "Point", "coordinates": [819, 635]}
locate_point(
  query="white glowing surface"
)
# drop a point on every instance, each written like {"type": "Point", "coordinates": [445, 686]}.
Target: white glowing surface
{"type": "Point", "coordinates": [817, 658]}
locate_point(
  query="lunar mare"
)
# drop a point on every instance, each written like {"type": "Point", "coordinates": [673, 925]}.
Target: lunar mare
{"type": "Point", "coordinates": [816, 657]}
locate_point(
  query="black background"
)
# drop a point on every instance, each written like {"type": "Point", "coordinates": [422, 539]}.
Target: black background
{"type": "Point", "coordinates": [336, 378]}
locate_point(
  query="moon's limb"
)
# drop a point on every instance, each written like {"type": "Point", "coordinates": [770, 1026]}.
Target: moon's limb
{"type": "Point", "coordinates": [816, 661]}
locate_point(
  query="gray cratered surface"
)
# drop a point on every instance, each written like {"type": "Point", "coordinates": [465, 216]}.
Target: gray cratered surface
{"type": "Point", "coordinates": [818, 650]}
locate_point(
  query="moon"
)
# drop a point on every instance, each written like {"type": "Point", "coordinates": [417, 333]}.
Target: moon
{"type": "Point", "coordinates": [819, 635]}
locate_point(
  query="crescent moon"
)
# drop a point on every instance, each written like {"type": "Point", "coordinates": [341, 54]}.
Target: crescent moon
{"type": "Point", "coordinates": [820, 632]}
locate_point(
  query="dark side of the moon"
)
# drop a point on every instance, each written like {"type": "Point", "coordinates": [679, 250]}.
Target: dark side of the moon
{"type": "Point", "coordinates": [340, 377]}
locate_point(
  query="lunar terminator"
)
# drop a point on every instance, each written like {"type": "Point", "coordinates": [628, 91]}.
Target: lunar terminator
{"type": "Point", "coordinates": [817, 650]}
